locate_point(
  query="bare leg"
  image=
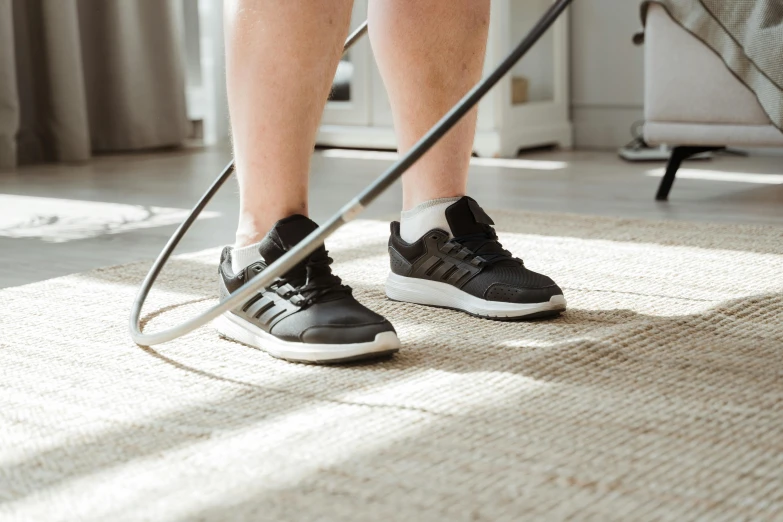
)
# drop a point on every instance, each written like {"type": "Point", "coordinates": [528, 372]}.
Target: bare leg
{"type": "Point", "coordinates": [430, 54]}
{"type": "Point", "coordinates": [281, 58]}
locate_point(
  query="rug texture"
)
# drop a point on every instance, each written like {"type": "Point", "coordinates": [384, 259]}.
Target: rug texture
{"type": "Point", "coordinates": [658, 395]}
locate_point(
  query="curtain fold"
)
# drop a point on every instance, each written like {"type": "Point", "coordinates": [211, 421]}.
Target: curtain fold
{"type": "Point", "coordinates": [9, 102]}
{"type": "Point", "coordinates": [81, 76]}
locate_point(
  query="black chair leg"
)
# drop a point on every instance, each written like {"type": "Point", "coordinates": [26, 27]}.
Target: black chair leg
{"type": "Point", "coordinates": [679, 154]}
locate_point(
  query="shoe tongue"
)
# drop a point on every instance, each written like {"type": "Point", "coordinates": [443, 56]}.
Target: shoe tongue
{"type": "Point", "coordinates": [284, 235]}
{"type": "Point", "coordinates": [466, 217]}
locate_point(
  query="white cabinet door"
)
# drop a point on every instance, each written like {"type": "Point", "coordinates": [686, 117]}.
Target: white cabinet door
{"type": "Point", "coordinates": [505, 125]}
{"type": "Point", "coordinates": [349, 103]}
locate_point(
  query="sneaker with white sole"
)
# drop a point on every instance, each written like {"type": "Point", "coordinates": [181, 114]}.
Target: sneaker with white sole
{"type": "Point", "coordinates": [307, 315]}
{"type": "Point", "coordinates": [470, 271]}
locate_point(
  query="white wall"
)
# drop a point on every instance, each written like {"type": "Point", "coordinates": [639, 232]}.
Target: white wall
{"type": "Point", "coordinates": [607, 72]}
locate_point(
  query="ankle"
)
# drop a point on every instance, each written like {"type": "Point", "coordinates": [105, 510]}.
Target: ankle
{"type": "Point", "coordinates": [245, 239]}
{"type": "Point", "coordinates": [411, 202]}
{"type": "Point", "coordinates": [424, 217]}
{"type": "Point", "coordinates": [251, 230]}
{"type": "Point", "coordinates": [252, 227]}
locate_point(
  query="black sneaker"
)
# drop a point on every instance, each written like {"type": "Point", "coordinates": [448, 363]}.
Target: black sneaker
{"type": "Point", "coordinates": [306, 316]}
{"type": "Point", "coordinates": [469, 272]}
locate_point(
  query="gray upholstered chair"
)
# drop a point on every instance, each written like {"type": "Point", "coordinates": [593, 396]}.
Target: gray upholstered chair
{"type": "Point", "coordinates": [693, 102]}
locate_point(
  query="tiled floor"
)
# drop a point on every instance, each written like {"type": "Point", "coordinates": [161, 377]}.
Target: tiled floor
{"type": "Point", "coordinates": [57, 219]}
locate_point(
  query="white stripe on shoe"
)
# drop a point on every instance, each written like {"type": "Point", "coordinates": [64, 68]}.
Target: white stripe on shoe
{"type": "Point", "coordinates": [435, 293]}
{"type": "Point", "coordinates": [233, 327]}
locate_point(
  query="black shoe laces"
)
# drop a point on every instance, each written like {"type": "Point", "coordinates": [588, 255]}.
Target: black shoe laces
{"type": "Point", "coordinates": [486, 245]}
{"type": "Point", "coordinates": [313, 279]}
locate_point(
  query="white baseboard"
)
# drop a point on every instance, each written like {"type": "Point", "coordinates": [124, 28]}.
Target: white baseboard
{"type": "Point", "coordinates": [487, 144]}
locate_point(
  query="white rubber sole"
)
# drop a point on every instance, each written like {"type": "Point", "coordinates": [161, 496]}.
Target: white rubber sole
{"type": "Point", "coordinates": [237, 329]}
{"type": "Point", "coordinates": [444, 295]}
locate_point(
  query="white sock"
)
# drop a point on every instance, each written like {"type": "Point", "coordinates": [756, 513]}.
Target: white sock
{"type": "Point", "coordinates": [419, 220]}
{"type": "Point", "coordinates": [243, 257]}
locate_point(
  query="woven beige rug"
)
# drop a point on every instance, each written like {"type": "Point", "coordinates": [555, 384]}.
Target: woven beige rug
{"type": "Point", "coordinates": [657, 396]}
